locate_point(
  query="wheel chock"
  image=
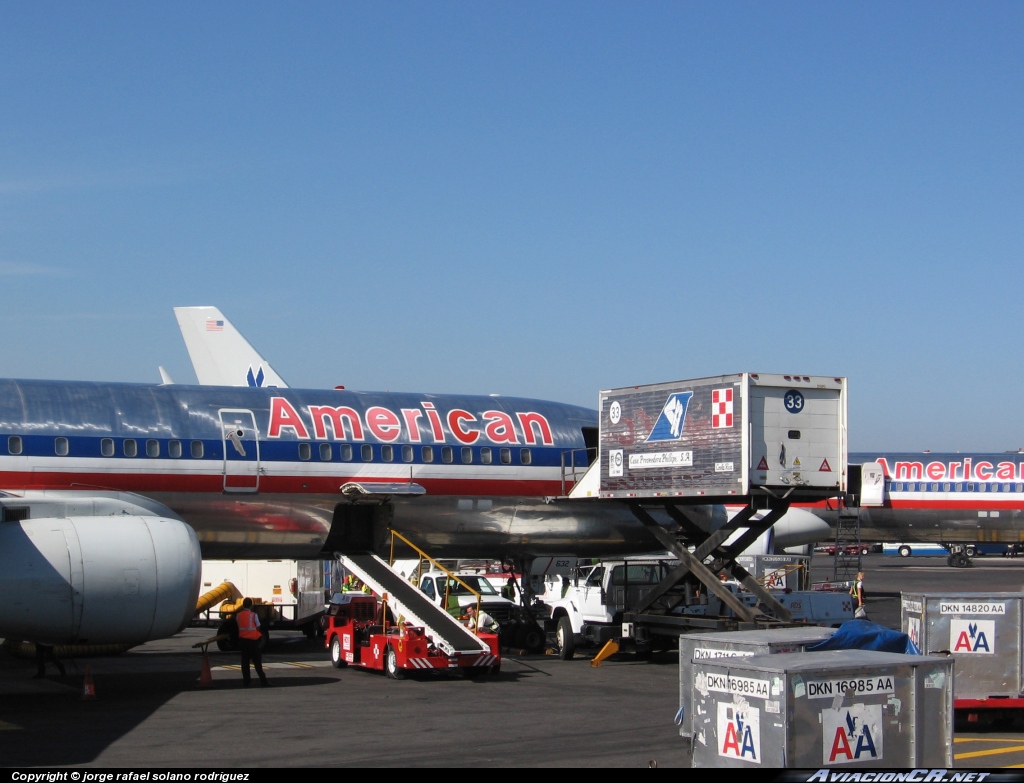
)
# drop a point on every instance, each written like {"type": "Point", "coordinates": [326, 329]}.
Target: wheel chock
{"type": "Point", "coordinates": [610, 648]}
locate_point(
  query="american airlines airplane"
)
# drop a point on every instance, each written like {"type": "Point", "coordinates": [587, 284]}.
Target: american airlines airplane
{"type": "Point", "coordinates": [956, 499]}
{"type": "Point", "coordinates": [111, 493]}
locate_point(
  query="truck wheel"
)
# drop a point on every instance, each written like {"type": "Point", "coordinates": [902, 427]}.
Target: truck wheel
{"type": "Point", "coordinates": [391, 665]}
{"type": "Point", "coordinates": [971, 551]}
{"type": "Point", "coordinates": [532, 638]}
{"type": "Point", "coordinates": [904, 551]}
{"type": "Point", "coordinates": [337, 659]}
{"type": "Point", "coordinates": [566, 642]}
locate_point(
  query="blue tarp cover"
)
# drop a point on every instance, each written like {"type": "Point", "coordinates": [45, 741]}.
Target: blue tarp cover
{"type": "Point", "coordinates": [866, 635]}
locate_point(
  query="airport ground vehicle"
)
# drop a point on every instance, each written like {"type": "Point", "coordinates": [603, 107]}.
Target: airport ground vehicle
{"type": "Point", "coordinates": [455, 595]}
{"type": "Point", "coordinates": [588, 608]}
{"type": "Point", "coordinates": [920, 549]}
{"type": "Point", "coordinates": [594, 607]}
{"type": "Point", "coordinates": [360, 633]}
{"type": "Point", "coordinates": [288, 594]}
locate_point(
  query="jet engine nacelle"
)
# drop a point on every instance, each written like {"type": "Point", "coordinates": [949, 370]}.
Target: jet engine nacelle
{"type": "Point", "coordinates": [97, 580]}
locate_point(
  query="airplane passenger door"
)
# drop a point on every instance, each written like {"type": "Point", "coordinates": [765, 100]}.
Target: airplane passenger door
{"type": "Point", "coordinates": [241, 450]}
{"type": "Point", "coordinates": [872, 484]}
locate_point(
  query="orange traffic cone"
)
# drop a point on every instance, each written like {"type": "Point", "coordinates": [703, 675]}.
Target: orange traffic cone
{"type": "Point", "coordinates": [205, 675]}
{"type": "Point", "coordinates": [88, 689]}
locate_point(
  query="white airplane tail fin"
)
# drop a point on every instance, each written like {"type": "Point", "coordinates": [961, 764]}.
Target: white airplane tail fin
{"type": "Point", "coordinates": [220, 355]}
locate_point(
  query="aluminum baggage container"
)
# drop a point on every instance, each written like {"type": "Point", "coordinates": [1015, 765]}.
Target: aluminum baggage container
{"type": "Point", "coordinates": [841, 708]}
{"type": "Point", "coordinates": [735, 644]}
{"type": "Point", "coordinates": [983, 631]}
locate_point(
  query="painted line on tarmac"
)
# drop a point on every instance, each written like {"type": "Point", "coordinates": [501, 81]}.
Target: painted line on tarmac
{"type": "Point", "coordinates": [237, 667]}
{"type": "Point", "coordinates": [973, 754]}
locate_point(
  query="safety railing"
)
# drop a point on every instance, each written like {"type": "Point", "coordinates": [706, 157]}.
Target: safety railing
{"type": "Point", "coordinates": [451, 577]}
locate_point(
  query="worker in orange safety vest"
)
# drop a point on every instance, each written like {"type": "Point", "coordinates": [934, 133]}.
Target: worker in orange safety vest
{"type": "Point", "coordinates": [249, 636]}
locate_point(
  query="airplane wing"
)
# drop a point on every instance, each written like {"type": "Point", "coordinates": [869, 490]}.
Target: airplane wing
{"type": "Point", "coordinates": [219, 353]}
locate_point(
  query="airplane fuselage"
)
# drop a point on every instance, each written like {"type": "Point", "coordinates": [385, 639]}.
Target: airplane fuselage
{"type": "Point", "coordinates": [949, 497]}
{"type": "Point", "coordinates": [259, 472]}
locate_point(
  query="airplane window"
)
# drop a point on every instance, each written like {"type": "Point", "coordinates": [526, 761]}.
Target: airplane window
{"type": "Point", "coordinates": [14, 444]}
{"type": "Point", "coordinates": [345, 453]}
{"type": "Point", "coordinates": [427, 453]}
{"type": "Point", "coordinates": [152, 448]}
{"type": "Point", "coordinates": [305, 452]}
{"type": "Point", "coordinates": [447, 455]}
{"type": "Point", "coordinates": [367, 452]}
{"type": "Point", "coordinates": [131, 448]}
{"type": "Point", "coordinates": [197, 449]}
{"type": "Point", "coordinates": [1017, 487]}
{"type": "Point", "coordinates": [935, 487]}
{"type": "Point", "coordinates": [970, 487]}
{"type": "Point", "coordinates": [959, 487]}
{"type": "Point", "coordinates": [945, 486]}
{"type": "Point", "coordinates": [174, 448]}
{"type": "Point", "coordinates": [506, 456]}
{"type": "Point", "coordinates": [326, 452]}
{"type": "Point", "coordinates": [387, 453]}
{"type": "Point", "coordinates": [407, 454]}
{"type": "Point", "coordinates": [467, 454]}
{"type": "Point", "coordinates": [525, 457]}
{"type": "Point", "coordinates": [61, 447]}
{"type": "Point", "coordinates": [485, 455]}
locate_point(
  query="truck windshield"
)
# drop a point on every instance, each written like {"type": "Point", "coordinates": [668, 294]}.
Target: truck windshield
{"type": "Point", "coordinates": [478, 583]}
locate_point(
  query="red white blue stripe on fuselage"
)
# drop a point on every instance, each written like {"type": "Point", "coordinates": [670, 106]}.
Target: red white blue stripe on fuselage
{"type": "Point", "coordinates": [170, 438]}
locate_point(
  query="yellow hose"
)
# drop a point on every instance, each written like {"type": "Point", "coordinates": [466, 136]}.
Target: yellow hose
{"type": "Point", "coordinates": [224, 592]}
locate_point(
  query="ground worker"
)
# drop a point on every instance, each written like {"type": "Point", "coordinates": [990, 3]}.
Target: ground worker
{"type": "Point", "coordinates": [857, 591]}
{"type": "Point", "coordinates": [480, 620]}
{"type": "Point", "coordinates": [249, 635]}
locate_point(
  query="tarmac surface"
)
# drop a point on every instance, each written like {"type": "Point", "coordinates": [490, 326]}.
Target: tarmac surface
{"type": "Point", "coordinates": [149, 711]}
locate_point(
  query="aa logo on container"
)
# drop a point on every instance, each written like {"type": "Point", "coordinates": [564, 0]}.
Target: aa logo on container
{"type": "Point", "coordinates": [739, 731]}
{"type": "Point", "coordinates": [972, 637]}
{"type": "Point", "coordinates": [851, 734]}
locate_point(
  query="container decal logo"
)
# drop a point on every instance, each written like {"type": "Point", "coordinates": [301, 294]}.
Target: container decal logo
{"type": "Point", "coordinates": [721, 408]}
{"type": "Point", "coordinates": [913, 630]}
{"type": "Point", "coordinates": [739, 731]}
{"type": "Point", "coordinates": [972, 637]}
{"type": "Point", "coordinates": [852, 734]}
{"type": "Point", "coordinates": [669, 425]}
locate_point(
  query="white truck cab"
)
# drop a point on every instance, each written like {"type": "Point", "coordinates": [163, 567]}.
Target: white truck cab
{"type": "Point", "coordinates": [436, 585]}
{"type": "Point", "coordinates": [587, 609]}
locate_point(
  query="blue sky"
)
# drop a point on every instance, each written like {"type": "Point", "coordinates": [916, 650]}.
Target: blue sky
{"type": "Point", "coordinates": [539, 199]}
